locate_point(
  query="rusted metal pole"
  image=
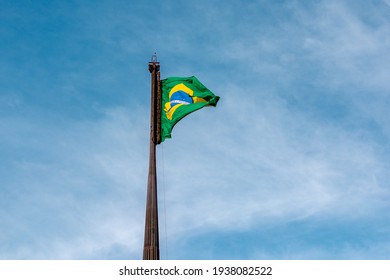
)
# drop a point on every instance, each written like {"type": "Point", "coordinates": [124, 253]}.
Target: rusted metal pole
{"type": "Point", "coordinates": [151, 238]}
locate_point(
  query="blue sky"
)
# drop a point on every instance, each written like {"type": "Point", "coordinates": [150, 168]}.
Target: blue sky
{"type": "Point", "coordinates": [293, 163]}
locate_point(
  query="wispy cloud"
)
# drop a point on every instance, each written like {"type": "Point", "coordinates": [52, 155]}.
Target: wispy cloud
{"type": "Point", "coordinates": [270, 163]}
{"type": "Point", "coordinates": [297, 147]}
{"type": "Point", "coordinates": [351, 43]}
{"type": "Point", "coordinates": [80, 187]}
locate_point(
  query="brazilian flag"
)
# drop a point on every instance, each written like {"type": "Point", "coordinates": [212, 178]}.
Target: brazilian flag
{"type": "Point", "coordinates": [180, 97]}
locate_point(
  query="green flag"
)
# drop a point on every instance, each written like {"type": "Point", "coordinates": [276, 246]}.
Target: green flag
{"type": "Point", "coordinates": [180, 97]}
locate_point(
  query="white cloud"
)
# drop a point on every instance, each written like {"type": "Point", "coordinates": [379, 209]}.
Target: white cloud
{"type": "Point", "coordinates": [262, 163]}
{"type": "Point", "coordinates": [85, 192]}
{"type": "Point", "coordinates": [348, 44]}
{"type": "Point", "coordinates": [348, 251]}
{"type": "Point", "coordinates": [271, 153]}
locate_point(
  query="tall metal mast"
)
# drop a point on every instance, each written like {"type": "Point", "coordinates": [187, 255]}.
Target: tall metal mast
{"type": "Point", "coordinates": [151, 239]}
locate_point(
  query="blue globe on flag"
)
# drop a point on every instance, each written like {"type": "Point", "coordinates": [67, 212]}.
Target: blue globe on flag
{"type": "Point", "coordinates": [180, 97]}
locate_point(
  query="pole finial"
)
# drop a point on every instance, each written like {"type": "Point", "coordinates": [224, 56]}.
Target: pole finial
{"type": "Point", "coordinates": [154, 57]}
{"type": "Point", "coordinates": [154, 64]}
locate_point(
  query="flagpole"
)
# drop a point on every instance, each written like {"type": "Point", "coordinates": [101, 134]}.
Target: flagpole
{"type": "Point", "coordinates": [151, 238]}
